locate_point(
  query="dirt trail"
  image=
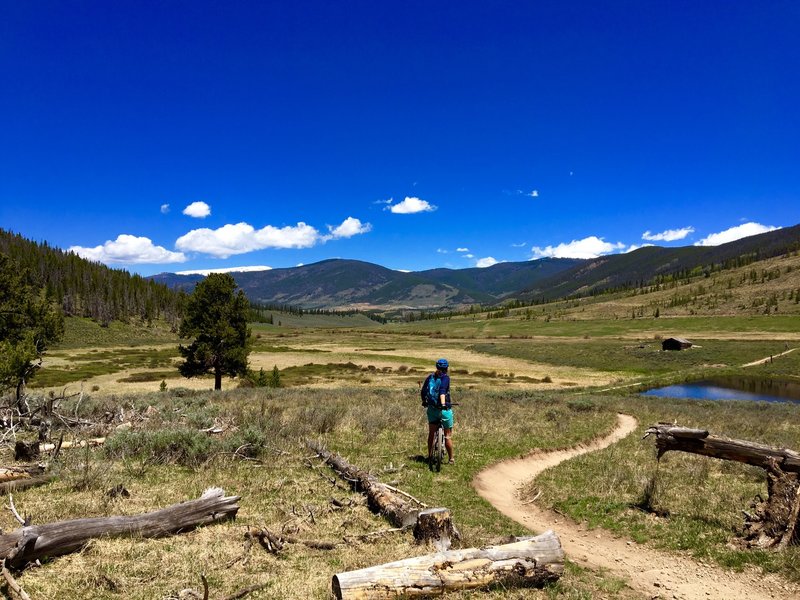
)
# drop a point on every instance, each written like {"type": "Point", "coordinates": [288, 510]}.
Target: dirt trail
{"type": "Point", "coordinates": [654, 573]}
{"type": "Point", "coordinates": [762, 361]}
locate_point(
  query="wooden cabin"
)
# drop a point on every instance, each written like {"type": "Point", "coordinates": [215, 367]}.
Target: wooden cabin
{"type": "Point", "coordinates": [675, 343]}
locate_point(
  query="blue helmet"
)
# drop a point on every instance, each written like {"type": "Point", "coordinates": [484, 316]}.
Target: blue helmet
{"type": "Point", "coordinates": [442, 364]}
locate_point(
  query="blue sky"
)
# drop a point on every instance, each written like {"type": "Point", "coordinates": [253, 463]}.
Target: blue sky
{"type": "Point", "coordinates": [174, 136]}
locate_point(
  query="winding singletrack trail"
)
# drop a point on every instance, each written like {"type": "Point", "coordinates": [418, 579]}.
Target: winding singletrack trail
{"type": "Point", "coordinates": [654, 573]}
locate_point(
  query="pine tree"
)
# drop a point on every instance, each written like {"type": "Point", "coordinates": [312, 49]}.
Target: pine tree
{"type": "Point", "coordinates": [216, 317]}
{"type": "Point", "coordinates": [28, 324]}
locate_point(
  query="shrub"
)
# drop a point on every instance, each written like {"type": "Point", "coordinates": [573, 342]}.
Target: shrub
{"type": "Point", "coordinates": [186, 447]}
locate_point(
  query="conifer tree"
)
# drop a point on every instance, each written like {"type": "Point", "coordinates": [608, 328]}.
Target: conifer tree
{"type": "Point", "coordinates": [216, 317]}
{"type": "Point", "coordinates": [29, 323]}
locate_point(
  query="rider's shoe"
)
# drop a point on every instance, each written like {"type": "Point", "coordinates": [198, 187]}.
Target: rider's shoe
{"type": "Point", "coordinates": [452, 461]}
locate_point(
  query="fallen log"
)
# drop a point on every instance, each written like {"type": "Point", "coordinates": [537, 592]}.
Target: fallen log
{"type": "Point", "coordinates": [32, 450]}
{"type": "Point", "coordinates": [531, 562]}
{"type": "Point", "coordinates": [28, 544]}
{"type": "Point", "coordinates": [17, 485]}
{"type": "Point", "coordinates": [20, 472]}
{"type": "Point", "coordinates": [698, 441]}
{"type": "Point", "coordinates": [380, 497]}
{"type": "Point", "coordinates": [774, 521]}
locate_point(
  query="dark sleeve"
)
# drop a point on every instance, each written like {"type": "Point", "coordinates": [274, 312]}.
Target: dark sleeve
{"type": "Point", "coordinates": [444, 387]}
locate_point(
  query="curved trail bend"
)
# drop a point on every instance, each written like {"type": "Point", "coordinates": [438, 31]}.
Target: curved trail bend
{"type": "Point", "coordinates": [654, 573]}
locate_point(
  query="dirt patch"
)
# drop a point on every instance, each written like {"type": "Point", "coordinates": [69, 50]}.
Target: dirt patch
{"type": "Point", "coordinates": [656, 574]}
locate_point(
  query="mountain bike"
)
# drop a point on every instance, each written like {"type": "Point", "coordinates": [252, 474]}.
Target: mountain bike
{"type": "Point", "coordinates": [438, 450]}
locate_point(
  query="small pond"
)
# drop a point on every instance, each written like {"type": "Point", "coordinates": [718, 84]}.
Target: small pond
{"type": "Point", "coordinates": [733, 388]}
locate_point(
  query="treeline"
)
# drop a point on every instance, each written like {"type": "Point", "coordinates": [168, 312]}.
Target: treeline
{"type": "Point", "coordinates": [87, 289]}
{"type": "Point", "coordinates": [263, 312]}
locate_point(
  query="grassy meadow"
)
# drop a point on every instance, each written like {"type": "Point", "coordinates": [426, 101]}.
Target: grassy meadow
{"type": "Point", "coordinates": [524, 381]}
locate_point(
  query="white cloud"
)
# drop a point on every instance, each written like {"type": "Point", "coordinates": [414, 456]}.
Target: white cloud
{"type": "Point", "coordinates": [670, 235]}
{"type": "Point", "coordinates": [242, 238]}
{"type": "Point", "coordinates": [521, 245]}
{"type": "Point", "coordinates": [349, 227]}
{"type": "Point", "coordinates": [633, 247]}
{"type": "Point", "coordinates": [531, 194]}
{"type": "Point", "coordinates": [198, 210]}
{"type": "Point", "coordinates": [735, 233]}
{"type": "Point", "coordinates": [589, 247]}
{"type": "Point", "coordinates": [468, 255]}
{"type": "Point", "coordinates": [389, 201]}
{"type": "Point", "coordinates": [486, 262]}
{"type": "Point", "coordinates": [410, 206]}
{"type": "Point", "coordinates": [462, 249]}
{"type": "Point", "coordinates": [129, 249]}
{"type": "Point", "coordinates": [442, 251]}
{"type": "Point", "coordinates": [164, 209]}
{"type": "Point", "coordinates": [225, 270]}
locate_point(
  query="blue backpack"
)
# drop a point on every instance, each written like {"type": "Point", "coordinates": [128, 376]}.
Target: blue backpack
{"type": "Point", "coordinates": [430, 390]}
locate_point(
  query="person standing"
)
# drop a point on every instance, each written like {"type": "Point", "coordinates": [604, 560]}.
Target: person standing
{"type": "Point", "coordinates": [436, 392]}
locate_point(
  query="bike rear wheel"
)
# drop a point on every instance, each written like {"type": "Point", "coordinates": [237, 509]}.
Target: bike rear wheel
{"type": "Point", "coordinates": [438, 449]}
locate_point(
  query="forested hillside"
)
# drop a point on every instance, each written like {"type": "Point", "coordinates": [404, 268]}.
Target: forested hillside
{"type": "Point", "coordinates": [86, 289]}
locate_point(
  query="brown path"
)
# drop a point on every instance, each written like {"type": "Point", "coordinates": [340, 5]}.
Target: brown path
{"type": "Point", "coordinates": [654, 573]}
{"type": "Point", "coordinates": [762, 361]}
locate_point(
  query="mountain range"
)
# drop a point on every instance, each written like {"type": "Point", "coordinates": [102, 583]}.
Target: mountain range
{"type": "Point", "coordinates": [343, 283]}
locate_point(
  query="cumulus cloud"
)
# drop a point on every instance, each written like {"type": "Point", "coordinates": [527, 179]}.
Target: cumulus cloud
{"type": "Point", "coordinates": [468, 255]}
{"type": "Point", "coordinates": [411, 205]}
{"type": "Point", "coordinates": [129, 249]}
{"type": "Point", "coordinates": [198, 210]}
{"type": "Point", "coordinates": [164, 209]}
{"type": "Point", "coordinates": [348, 228]}
{"type": "Point", "coordinates": [486, 262]}
{"type": "Point", "coordinates": [670, 235]}
{"type": "Point", "coordinates": [462, 249]}
{"type": "Point", "coordinates": [225, 270]}
{"type": "Point", "coordinates": [241, 238]}
{"type": "Point", "coordinates": [589, 247]}
{"type": "Point", "coordinates": [735, 233]}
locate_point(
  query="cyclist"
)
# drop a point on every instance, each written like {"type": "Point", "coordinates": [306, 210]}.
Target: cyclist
{"type": "Point", "coordinates": [441, 410]}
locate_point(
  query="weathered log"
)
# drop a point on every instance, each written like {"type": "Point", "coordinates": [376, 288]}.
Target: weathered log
{"type": "Point", "coordinates": [20, 472]}
{"type": "Point", "coordinates": [17, 485]}
{"type": "Point", "coordinates": [380, 497]}
{"type": "Point", "coordinates": [698, 441]}
{"type": "Point", "coordinates": [28, 544]}
{"type": "Point", "coordinates": [532, 562]}
{"type": "Point", "coordinates": [774, 521]}
{"type": "Point", "coordinates": [32, 450]}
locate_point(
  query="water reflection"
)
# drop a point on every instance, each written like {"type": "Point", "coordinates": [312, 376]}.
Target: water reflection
{"type": "Point", "coordinates": [733, 388]}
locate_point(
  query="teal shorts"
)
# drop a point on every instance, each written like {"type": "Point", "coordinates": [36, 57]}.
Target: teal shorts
{"type": "Point", "coordinates": [437, 414]}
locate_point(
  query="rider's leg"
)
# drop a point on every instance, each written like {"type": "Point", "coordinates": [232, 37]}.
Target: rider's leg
{"type": "Point", "coordinates": [448, 443]}
{"type": "Point", "coordinates": [432, 427]}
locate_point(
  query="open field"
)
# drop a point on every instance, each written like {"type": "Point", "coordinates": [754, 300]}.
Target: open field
{"type": "Point", "coordinates": [522, 383]}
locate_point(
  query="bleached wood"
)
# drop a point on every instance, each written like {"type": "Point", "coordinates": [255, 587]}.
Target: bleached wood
{"type": "Point", "coordinates": [529, 562]}
{"type": "Point", "coordinates": [28, 544]}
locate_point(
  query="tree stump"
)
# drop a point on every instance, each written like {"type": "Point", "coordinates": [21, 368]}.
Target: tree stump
{"type": "Point", "coordinates": [435, 526]}
{"type": "Point", "coordinates": [774, 522]}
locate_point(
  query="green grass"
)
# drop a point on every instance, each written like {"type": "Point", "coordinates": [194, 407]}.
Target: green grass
{"type": "Point", "coordinates": [635, 357]}
{"type": "Point", "coordinates": [93, 363]}
{"type": "Point", "coordinates": [698, 500]}
{"type": "Point", "coordinates": [666, 327]}
{"type": "Point", "coordinates": [85, 333]}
